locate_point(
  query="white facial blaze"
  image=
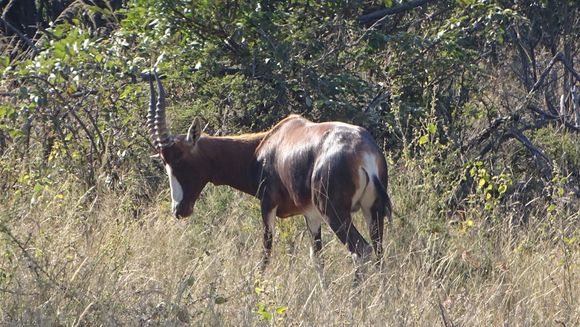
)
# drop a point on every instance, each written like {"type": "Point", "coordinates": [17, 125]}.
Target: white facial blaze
{"type": "Point", "coordinates": [176, 190]}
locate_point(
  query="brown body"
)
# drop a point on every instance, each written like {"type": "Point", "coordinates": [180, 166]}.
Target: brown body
{"type": "Point", "coordinates": [323, 171]}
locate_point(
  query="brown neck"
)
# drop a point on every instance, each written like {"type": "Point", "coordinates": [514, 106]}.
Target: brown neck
{"type": "Point", "coordinates": [232, 160]}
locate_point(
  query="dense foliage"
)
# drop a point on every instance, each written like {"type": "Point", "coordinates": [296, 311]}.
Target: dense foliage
{"type": "Point", "coordinates": [453, 78]}
{"type": "Point", "coordinates": [478, 101]}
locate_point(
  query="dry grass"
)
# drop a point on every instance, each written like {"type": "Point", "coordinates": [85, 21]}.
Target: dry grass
{"type": "Point", "coordinates": [88, 261]}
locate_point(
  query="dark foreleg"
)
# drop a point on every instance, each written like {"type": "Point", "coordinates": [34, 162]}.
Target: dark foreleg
{"type": "Point", "coordinates": [313, 223]}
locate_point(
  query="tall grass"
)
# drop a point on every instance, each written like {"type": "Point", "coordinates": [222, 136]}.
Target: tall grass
{"type": "Point", "coordinates": [87, 259]}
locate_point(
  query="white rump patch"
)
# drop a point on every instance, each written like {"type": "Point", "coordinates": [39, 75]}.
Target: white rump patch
{"type": "Point", "coordinates": [365, 194]}
{"type": "Point", "coordinates": [176, 190]}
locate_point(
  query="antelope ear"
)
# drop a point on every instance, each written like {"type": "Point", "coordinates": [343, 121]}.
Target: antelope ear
{"type": "Point", "coordinates": [194, 131]}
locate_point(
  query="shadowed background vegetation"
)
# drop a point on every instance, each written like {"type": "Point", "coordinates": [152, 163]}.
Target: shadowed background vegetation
{"type": "Point", "coordinates": [476, 104]}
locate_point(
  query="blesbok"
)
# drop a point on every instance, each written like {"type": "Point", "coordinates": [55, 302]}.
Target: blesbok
{"type": "Point", "coordinates": [324, 171]}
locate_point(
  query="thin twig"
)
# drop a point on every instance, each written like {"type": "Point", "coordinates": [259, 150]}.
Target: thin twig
{"type": "Point", "coordinates": [382, 13]}
{"type": "Point", "coordinates": [20, 35]}
{"type": "Point", "coordinates": [486, 133]}
{"type": "Point", "coordinates": [535, 151]}
{"type": "Point", "coordinates": [446, 323]}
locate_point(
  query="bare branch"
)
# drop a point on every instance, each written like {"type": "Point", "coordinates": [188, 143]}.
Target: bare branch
{"type": "Point", "coordinates": [570, 67]}
{"type": "Point", "coordinates": [549, 117]}
{"type": "Point", "coordinates": [380, 14]}
{"type": "Point", "coordinates": [558, 57]}
{"type": "Point", "coordinates": [20, 35]}
{"type": "Point", "coordinates": [381, 97]}
{"type": "Point", "coordinates": [547, 167]}
{"type": "Point", "coordinates": [8, 94]}
{"type": "Point", "coordinates": [576, 104]}
{"type": "Point", "coordinates": [486, 133]}
{"type": "Point", "coordinates": [540, 81]}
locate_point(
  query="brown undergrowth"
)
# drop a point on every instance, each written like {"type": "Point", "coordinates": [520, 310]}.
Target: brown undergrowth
{"type": "Point", "coordinates": [88, 259]}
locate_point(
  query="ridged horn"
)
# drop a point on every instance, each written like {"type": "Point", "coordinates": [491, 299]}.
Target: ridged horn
{"type": "Point", "coordinates": [151, 112]}
{"type": "Point", "coordinates": [164, 138]}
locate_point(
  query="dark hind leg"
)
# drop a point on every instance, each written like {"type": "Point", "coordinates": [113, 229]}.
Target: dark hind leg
{"type": "Point", "coordinates": [375, 218]}
{"type": "Point", "coordinates": [349, 235]}
{"type": "Point", "coordinates": [333, 191]}
{"type": "Point", "coordinates": [375, 212]}
{"type": "Point", "coordinates": [340, 221]}
{"type": "Point", "coordinates": [268, 220]}
{"type": "Point", "coordinates": [377, 227]}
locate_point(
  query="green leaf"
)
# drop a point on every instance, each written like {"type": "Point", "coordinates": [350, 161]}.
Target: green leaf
{"type": "Point", "coordinates": [6, 110]}
{"type": "Point", "coordinates": [38, 188]}
{"type": "Point", "coordinates": [266, 316]}
{"type": "Point", "coordinates": [281, 310]}
{"type": "Point", "coordinates": [561, 191]}
{"type": "Point", "coordinates": [432, 128]}
{"type": "Point", "coordinates": [14, 133]}
{"type": "Point", "coordinates": [481, 183]}
{"type": "Point", "coordinates": [472, 172]}
{"type": "Point", "coordinates": [220, 300]}
{"type": "Point", "coordinates": [502, 188]}
{"type": "Point", "coordinates": [551, 207]}
{"type": "Point", "coordinates": [423, 139]}
{"type": "Point", "coordinates": [466, 2]}
{"type": "Point", "coordinates": [263, 312]}
{"type": "Point", "coordinates": [126, 92]}
{"type": "Point", "coordinates": [570, 240]}
{"type": "Point", "coordinates": [59, 50]}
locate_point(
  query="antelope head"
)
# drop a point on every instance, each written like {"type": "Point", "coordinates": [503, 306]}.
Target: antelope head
{"type": "Point", "coordinates": [184, 162]}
